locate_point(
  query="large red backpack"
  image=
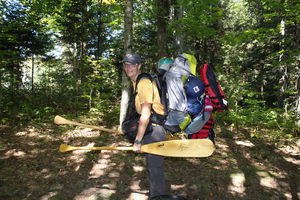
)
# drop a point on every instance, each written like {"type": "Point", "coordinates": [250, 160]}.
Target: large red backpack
{"type": "Point", "coordinates": [213, 89]}
{"type": "Point", "coordinates": [206, 131]}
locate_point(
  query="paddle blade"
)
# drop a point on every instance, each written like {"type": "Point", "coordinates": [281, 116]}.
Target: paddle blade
{"type": "Point", "coordinates": [65, 147]}
{"type": "Point", "coordinates": [171, 148]}
{"type": "Point", "coordinates": [181, 148]}
{"type": "Point", "coordinates": [61, 120]}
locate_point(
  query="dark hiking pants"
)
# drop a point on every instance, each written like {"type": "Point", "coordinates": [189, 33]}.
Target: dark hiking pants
{"type": "Point", "coordinates": [155, 163]}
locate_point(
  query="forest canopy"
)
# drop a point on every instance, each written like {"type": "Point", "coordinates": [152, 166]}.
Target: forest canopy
{"type": "Point", "coordinates": [65, 56]}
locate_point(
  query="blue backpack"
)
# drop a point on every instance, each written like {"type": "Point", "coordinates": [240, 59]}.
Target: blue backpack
{"type": "Point", "coordinates": [194, 89]}
{"type": "Point", "coordinates": [195, 92]}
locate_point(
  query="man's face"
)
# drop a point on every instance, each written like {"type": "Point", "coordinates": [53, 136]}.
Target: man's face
{"type": "Point", "coordinates": [132, 70]}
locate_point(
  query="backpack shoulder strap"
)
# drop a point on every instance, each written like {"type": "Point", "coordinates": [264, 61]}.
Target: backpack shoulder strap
{"type": "Point", "coordinates": [131, 104]}
{"type": "Point", "coordinates": [155, 117]}
{"type": "Point", "coordinates": [143, 76]}
{"type": "Point", "coordinates": [140, 77]}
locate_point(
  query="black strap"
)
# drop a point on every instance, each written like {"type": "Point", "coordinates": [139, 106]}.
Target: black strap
{"type": "Point", "coordinates": [131, 111]}
{"type": "Point", "coordinates": [155, 117]}
{"type": "Point", "coordinates": [131, 104]}
{"type": "Point", "coordinates": [140, 77]}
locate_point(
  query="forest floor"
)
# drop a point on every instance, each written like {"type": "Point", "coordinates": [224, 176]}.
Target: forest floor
{"type": "Point", "coordinates": [242, 167]}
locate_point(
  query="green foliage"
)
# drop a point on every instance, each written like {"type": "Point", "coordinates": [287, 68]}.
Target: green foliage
{"type": "Point", "coordinates": [199, 19]}
{"type": "Point", "coordinates": [106, 111]}
{"type": "Point", "coordinates": [254, 116]}
{"type": "Point", "coordinates": [259, 57]}
{"type": "Point", "coordinates": [253, 46]}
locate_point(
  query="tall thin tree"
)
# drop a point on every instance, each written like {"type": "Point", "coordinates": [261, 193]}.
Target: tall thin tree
{"type": "Point", "coordinates": [128, 43]}
{"type": "Point", "coordinates": [178, 15]}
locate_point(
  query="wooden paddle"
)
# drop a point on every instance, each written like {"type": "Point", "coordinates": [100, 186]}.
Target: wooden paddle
{"type": "Point", "coordinates": [60, 120]}
{"type": "Point", "coordinates": [171, 148]}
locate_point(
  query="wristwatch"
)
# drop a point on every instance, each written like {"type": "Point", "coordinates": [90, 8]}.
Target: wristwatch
{"type": "Point", "coordinates": [138, 141]}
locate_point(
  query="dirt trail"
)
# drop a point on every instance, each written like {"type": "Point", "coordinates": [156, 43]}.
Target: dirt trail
{"type": "Point", "coordinates": [241, 168]}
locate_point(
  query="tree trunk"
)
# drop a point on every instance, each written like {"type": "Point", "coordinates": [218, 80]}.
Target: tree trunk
{"type": "Point", "coordinates": [90, 98]}
{"type": "Point", "coordinates": [179, 45]}
{"type": "Point", "coordinates": [128, 24]}
{"type": "Point", "coordinates": [284, 78]}
{"type": "Point", "coordinates": [162, 32]}
{"type": "Point", "coordinates": [127, 48]}
{"type": "Point", "coordinates": [99, 25]}
{"type": "Point", "coordinates": [32, 73]}
{"type": "Point", "coordinates": [298, 110]}
{"type": "Point", "coordinates": [298, 100]}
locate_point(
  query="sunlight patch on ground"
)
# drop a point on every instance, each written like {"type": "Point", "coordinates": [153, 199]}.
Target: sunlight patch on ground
{"type": "Point", "coordinates": [31, 143]}
{"type": "Point", "coordinates": [22, 133]}
{"type": "Point", "coordinates": [177, 187]}
{"type": "Point", "coordinates": [289, 195]}
{"type": "Point", "coordinates": [33, 132]}
{"type": "Point", "coordinates": [114, 174]}
{"type": "Point", "coordinates": [83, 132]}
{"type": "Point", "coordinates": [139, 196]}
{"type": "Point", "coordinates": [223, 156]}
{"type": "Point", "coordinates": [19, 154]}
{"type": "Point", "coordinates": [245, 143]}
{"type": "Point", "coordinates": [248, 156]}
{"type": "Point", "coordinates": [138, 168]}
{"type": "Point", "coordinates": [137, 192]}
{"type": "Point", "coordinates": [292, 160]}
{"type": "Point", "coordinates": [223, 164]}
{"type": "Point", "coordinates": [291, 150]}
{"type": "Point", "coordinates": [45, 173]}
{"type": "Point", "coordinates": [266, 180]}
{"type": "Point", "coordinates": [99, 167]}
{"type": "Point", "coordinates": [95, 193]}
{"type": "Point", "coordinates": [13, 153]}
{"type": "Point", "coordinates": [237, 184]}
{"type": "Point", "coordinates": [124, 143]}
{"type": "Point", "coordinates": [109, 185]}
{"type": "Point", "coordinates": [222, 146]}
{"type": "Point", "coordinates": [48, 196]}
{"type": "Point", "coordinates": [135, 185]}
{"type": "Point", "coordinates": [78, 156]}
{"type": "Point", "coordinates": [34, 152]}
{"type": "Point", "coordinates": [194, 161]}
{"type": "Point", "coordinates": [97, 170]}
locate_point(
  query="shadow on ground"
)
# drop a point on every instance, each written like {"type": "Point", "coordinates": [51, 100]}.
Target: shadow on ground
{"type": "Point", "coordinates": [241, 167]}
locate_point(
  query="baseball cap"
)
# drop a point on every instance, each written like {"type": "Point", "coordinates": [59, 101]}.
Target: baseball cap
{"type": "Point", "coordinates": [132, 58]}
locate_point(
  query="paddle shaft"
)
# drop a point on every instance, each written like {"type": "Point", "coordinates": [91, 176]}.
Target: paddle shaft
{"type": "Point", "coordinates": [61, 120]}
{"type": "Point", "coordinates": [65, 147]}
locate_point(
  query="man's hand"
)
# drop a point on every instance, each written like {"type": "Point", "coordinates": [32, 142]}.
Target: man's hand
{"type": "Point", "coordinates": [137, 148]}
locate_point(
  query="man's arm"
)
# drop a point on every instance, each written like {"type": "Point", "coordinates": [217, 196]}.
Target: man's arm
{"type": "Point", "coordinates": [143, 123]}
